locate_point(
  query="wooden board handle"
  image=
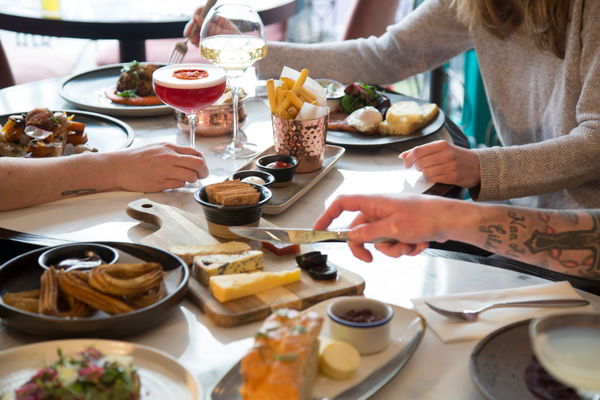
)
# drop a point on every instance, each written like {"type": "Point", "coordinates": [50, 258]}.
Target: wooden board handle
{"type": "Point", "coordinates": [175, 227]}
{"type": "Point", "coordinates": [146, 210]}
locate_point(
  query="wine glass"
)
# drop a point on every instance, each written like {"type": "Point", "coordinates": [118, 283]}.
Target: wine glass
{"type": "Point", "coordinates": [568, 347]}
{"type": "Point", "coordinates": [189, 88]}
{"type": "Point", "coordinates": [233, 37]}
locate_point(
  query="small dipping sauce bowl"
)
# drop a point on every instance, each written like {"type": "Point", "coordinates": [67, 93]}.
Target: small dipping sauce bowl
{"type": "Point", "coordinates": [219, 218]}
{"type": "Point", "coordinates": [283, 174]}
{"type": "Point", "coordinates": [78, 256]}
{"type": "Point", "coordinates": [362, 322]}
{"type": "Point", "coordinates": [267, 178]}
{"type": "Point", "coordinates": [334, 91]}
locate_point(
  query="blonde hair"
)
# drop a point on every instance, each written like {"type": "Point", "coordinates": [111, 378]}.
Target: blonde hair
{"type": "Point", "coordinates": [546, 19]}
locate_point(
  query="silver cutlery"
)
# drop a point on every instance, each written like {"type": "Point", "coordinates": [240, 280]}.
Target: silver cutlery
{"type": "Point", "coordinates": [181, 47]}
{"type": "Point", "coordinates": [300, 236]}
{"type": "Point", "coordinates": [472, 315]}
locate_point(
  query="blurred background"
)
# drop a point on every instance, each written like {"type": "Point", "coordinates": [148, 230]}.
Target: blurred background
{"type": "Point", "coordinates": [457, 86]}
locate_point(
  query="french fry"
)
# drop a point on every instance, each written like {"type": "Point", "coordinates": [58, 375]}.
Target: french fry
{"type": "Point", "coordinates": [294, 99]}
{"type": "Point", "coordinates": [271, 94]}
{"type": "Point", "coordinates": [306, 95]}
{"type": "Point", "coordinates": [288, 82]}
{"type": "Point", "coordinates": [301, 79]}
{"type": "Point", "coordinates": [280, 95]}
{"type": "Point", "coordinates": [283, 106]}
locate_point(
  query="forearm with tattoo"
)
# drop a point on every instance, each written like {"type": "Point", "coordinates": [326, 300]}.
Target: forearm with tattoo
{"type": "Point", "coordinates": [563, 241]}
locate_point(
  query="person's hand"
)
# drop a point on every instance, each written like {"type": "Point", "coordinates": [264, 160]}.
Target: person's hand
{"type": "Point", "coordinates": [157, 167]}
{"type": "Point", "coordinates": [193, 27]}
{"type": "Point", "coordinates": [442, 162]}
{"type": "Point", "coordinates": [411, 220]}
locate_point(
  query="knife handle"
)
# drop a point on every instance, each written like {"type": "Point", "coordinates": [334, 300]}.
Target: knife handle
{"type": "Point", "coordinates": [343, 235]}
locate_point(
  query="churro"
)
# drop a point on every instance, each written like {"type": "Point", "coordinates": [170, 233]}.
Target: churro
{"type": "Point", "coordinates": [126, 279]}
{"type": "Point", "coordinates": [76, 284]}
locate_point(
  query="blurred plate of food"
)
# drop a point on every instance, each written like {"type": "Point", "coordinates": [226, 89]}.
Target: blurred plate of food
{"type": "Point", "coordinates": [49, 305]}
{"type": "Point", "coordinates": [128, 370]}
{"type": "Point", "coordinates": [128, 83]}
{"type": "Point", "coordinates": [49, 133]}
{"type": "Point", "coordinates": [368, 116]}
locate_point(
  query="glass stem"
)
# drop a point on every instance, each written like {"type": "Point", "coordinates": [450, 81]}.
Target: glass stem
{"type": "Point", "coordinates": [236, 142]}
{"type": "Point", "coordinates": [192, 125]}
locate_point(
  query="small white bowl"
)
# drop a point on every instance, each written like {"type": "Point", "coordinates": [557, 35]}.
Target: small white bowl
{"type": "Point", "coordinates": [366, 337]}
{"type": "Point", "coordinates": [335, 92]}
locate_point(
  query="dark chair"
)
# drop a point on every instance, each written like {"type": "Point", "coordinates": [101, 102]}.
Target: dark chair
{"type": "Point", "coordinates": [6, 75]}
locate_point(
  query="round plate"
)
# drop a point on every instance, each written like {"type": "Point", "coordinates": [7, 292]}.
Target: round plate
{"type": "Point", "coordinates": [23, 273]}
{"type": "Point", "coordinates": [358, 139]}
{"type": "Point", "coordinates": [104, 133]}
{"type": "Point", "coordinates": [86, 91]}
{"type": "Point", "coordinates": [161, 376]}
{"type": "Point", "coordinates": [499, 360]}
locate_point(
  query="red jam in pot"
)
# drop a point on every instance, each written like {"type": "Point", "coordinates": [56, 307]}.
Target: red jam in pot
{"type": "Point", "coordinates": [190, 74]}
{"type": "Point", "coordinates": [361, 316]}
{"type": "Point", "coordinates": [278, 164]}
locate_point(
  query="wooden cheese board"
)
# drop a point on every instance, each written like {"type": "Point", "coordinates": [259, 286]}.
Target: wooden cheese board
{"type": "Point", "coordinates": [178, 227]}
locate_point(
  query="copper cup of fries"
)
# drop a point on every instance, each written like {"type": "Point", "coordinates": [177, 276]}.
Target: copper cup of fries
{"type": "Point", "coordinates": [299, 117]}
{"type": "Point", "coordinates": [303, 139]}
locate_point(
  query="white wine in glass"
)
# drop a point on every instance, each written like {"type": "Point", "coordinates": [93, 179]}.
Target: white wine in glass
{"type": "Point", "coordinates": [233, 37]}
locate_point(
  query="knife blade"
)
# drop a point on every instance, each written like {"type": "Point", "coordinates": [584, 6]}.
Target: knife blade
{"type": "Point", "coordinates": [284, 235]}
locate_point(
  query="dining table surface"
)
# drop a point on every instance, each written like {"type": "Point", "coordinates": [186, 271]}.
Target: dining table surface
{"type": "Point", "coordinates": [436, 370]}
{"type": "Point", "coordinates": [130, 22]}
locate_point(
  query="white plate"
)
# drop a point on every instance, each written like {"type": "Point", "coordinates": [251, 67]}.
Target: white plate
{"type": "Point", "coordinates": [86, 91]}
{"type": "Point", "coordinates": [161, 376]}
{"type": "Point", "coordinates": [375, 370]}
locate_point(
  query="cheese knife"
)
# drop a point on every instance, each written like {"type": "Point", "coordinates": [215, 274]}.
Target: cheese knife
{"type": "Point", "coordinates": [299, 236]}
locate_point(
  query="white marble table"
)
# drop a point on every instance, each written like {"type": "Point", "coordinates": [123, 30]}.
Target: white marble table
{"type": "Point", "coordinates": [436, 370]}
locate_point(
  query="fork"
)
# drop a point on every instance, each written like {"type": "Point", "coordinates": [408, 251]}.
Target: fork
{"type": "Point", "coordinates": [472, 315]}
{"type": "Point", "coordinates": [181, 47]}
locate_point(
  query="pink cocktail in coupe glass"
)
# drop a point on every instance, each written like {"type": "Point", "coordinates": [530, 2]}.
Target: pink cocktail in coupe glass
{"type": "Point", "coordinates": [189, 88]}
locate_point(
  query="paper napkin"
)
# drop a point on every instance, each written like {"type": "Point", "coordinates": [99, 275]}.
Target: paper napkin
{"type": "Point", "coordinates": [455, 331]}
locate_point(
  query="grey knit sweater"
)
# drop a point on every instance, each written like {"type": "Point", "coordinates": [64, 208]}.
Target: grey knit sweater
{"type": "Point", "coordinates": [546, 110]}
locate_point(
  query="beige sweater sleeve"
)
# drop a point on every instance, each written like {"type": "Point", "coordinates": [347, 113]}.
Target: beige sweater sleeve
{"type": "Point", "coordinates": [423, 40]}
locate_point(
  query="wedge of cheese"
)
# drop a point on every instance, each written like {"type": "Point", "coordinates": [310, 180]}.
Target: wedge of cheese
{"type": "Point", "coordinates": [225, 264]}
{"type": "Point", "coordinates": [231, 287]}
{"type": "Point", "coordinates": [187, 253]}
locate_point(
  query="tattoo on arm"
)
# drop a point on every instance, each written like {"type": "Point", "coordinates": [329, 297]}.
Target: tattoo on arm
{"type": "Point", "coordinates": [587, 240]}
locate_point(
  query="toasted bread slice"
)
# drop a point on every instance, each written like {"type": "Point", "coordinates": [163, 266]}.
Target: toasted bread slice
{"type": "Point", "coordinates": [404, 112]}
{"type": "Point", "coordinates": [429, 112]}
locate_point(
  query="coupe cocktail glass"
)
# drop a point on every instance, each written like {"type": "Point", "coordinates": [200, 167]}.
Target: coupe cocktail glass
{"type": "Point", "coordinates": [189, 88]}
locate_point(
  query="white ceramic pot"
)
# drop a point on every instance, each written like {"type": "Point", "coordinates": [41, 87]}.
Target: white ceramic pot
{"type": "Point", "coordinates": [366, 337]}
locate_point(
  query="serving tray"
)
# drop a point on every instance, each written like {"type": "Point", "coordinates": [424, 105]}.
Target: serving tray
{"type": "Point", "coordinates": [375, 370]}
{"type": "Point", "coordinates": [284, 197]}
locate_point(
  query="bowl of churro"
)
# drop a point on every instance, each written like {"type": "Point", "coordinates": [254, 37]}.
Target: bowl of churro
{"type": "Point", "coordinates": [106, 300]}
